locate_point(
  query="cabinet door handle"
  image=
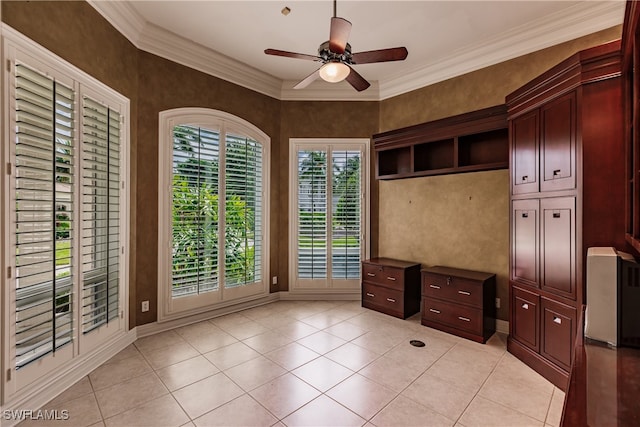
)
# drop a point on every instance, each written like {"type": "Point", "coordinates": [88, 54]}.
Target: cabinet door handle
{"type": "Point", "coordinates": [464, 293]}
{"type": "Point", "coordinates": [433, 310]}
{"type": "Point", "coordinates": [557, 320]}
{"type": "Point", "coordinates": [371, 274]}
{"type": "Point", "coordinates": [556, 214]}
{"type": "Point", "coordinates": [448, 280]}
{"type": "Point", "coordinates": [525, 214]}
{"type": "Point", "coordinates": [434, 286]}
{"type": "Point", "coordinates": [391, 300]}
{"type": "Point", "coordinates": [525, 178]}
{"type": "Point", "coordinates": [466, 319]}
{"type": "Point", "coordinates": [525, 306]}
{"type": "Point", "coordinates": [370, 295]}
{"type": "Point", "coordinates": [391, 278]}
{"type": "Point", "coordinates": [556, 173]}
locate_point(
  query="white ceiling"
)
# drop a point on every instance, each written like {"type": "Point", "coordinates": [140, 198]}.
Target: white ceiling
{"type": "Point", "coordinates": [444, 38]}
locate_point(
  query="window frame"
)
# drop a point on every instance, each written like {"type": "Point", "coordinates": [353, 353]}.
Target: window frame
{"type": "Point", "coordinates": [170, 308]}
{"type": "Point", "coordinates": [328, 285]}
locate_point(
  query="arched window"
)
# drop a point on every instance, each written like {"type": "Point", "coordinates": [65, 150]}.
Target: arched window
{"type": "Point", "coordinates": [213, 198]}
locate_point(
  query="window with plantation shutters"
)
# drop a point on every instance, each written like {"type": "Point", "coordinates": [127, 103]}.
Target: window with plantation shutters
{"type": "Point", "coordinates": [100, 226]}
{"type": "Point", "coordinates": [44, 209]}
{"type": "Point", "coordinates": [65, 216]}
{"type": "Point", "coordinates": [196, 156]}
{"type": "Point", "coordinates": [328, 217]}
{"type": "Point", "coordinates": [213, 210]}
{"type": "Point", "coordinates": [243, 211]}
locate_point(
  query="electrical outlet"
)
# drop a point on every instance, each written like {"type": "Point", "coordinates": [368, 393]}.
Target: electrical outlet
{"type": "Point", "coordinates": [497, 302]}
{"type": "Point", "coordinates": [274, 280]}
{"type": "Point", "coordinates": [145, 306]}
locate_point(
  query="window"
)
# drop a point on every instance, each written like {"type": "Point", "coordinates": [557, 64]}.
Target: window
{"type": "Point", "coordinates": [213, 230]}
{"type": "Point", "coordinates": [66, 213]}
{"type": "Point", "coordinates": [328, 213]}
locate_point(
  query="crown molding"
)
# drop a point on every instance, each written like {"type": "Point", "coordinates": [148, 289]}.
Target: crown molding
{"type": "Point", "coordinates": [577, 21]}
{"type": "Point", "coordinates": [582, 19]}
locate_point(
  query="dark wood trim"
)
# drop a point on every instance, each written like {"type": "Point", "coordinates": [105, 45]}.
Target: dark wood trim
{"type": "Point", "coordinates": [559, 377]}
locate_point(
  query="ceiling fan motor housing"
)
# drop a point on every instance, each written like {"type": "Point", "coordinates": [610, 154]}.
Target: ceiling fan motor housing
{"type": "Point", "coordinates": [329, 56]}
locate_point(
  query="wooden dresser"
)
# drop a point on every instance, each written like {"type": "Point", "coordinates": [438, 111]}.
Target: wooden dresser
{"type": "Point", "coordinates": [391, 286]}
{"type": "Point", "coordinates": [460, 302]}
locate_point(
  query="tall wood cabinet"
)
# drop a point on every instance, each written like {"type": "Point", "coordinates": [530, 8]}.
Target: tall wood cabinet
{"type": "Point", "coordinates": [567, 194]}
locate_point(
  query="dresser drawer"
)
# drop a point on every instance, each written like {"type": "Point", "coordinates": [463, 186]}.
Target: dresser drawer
{"type": "Point", "coordinates": [390, 277]}
{"type": "Point", "coordinates": [451, 288]}
{"type": "Point", "coordinates": [457, 316]}
{"type": "Point", "coordinates": [387, 300]}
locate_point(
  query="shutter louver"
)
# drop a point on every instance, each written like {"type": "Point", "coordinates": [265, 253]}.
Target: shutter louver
{"type": "Point", "coordinates": [195, 210]}
{"type": "Point", "coordinates": [243, 211]}
{"type": "Point", "coordinates": [100, 214]}
{"type": "Point", "coordinates": [345, 212]}
{"type": "Point", "coordinates": [312, 214]}
{"type": "Point", "coordinates": [44, 189]}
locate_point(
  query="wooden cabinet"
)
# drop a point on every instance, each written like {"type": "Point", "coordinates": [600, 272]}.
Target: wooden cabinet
{"type": "Point", "coordinates": [468, 142]}
{"type": "Point", "coordinates": [565, 144]}
{"type": "Point", "coordinates": [391, 286]}
{"type": "Point", "coordinates": [461, 302]}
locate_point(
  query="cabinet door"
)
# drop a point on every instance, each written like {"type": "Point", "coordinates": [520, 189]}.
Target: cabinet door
{"type": "Point", "coordinates": [525, 317]}
{"type": "Point", "coordinates": [558, 144]}
{"type": "Point", "coordinates": [558, 246]}
{"type": "Point", "coordinates": [524, 152]}
{"type": "Point", "coordinates": [524, 241]}
{"type": "Point", "coordinates": [558, 332]}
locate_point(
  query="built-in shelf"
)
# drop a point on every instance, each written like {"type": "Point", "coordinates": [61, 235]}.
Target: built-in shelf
{"type": "Point", "coordinates": [468, 142]}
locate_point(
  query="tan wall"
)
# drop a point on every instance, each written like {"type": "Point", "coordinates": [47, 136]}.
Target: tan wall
{"type": "Point", "coordinates": [460, 220]}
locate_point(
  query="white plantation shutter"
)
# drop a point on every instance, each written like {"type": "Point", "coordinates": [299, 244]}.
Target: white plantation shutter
{"type": "Point", "coordinates": [312, 214]}
{"type": "Point", "coordinates": [100, 231]}
{"type": "Point", "coordinates": [195, 187]}
{"type": "Point", "coordinates": [243, 211]}
{"type": "Point", "coordinates": [44, 188]}
{"type": "Point", "coordinates": [345, 214]}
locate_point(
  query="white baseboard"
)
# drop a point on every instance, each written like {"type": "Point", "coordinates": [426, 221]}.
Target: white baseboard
{"type": "Point", "coordinates": [157, 327]}
{"type": "Point", "coordinates": [37, 394]}
{"type": "Point", "coordinates": [320, 296]}
{"type": "Point", "coordinates": [502, 326]}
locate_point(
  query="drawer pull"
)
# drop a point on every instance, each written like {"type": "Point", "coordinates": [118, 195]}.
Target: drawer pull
{"type": "Point", "coordinates": [391, 300]}
{"type": "Point", "coordinates": [525, 178]}
{"type": "Point", "coordinates": [391, 278]}
{"type": "Point", "coordinates": [556, 173]}
{"type": "Point", "coordinates": [371, 274]}
{"type": "Point", "coordinates": [557, 320]}
{"type": "Point", "coordinates": [433, 310]}
{"type": "Point", "coordinates": [370, 295]}
{"type": "Point", "coordinates": [434, 286]}
{"type": "Point", "coordinates": [556, 214]}
{"type": "Point", "coordinates": [525, 214]}
{"type": "Point", "coordinates": [464, 293]}
{"type": "Point", "coordinates": [525, 306]}
{"type": "Point", "coordinates": [466, 319]}
{"type": "Point", "coordinates": [448, 280]}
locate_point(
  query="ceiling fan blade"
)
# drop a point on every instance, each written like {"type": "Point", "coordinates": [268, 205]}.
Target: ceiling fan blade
{"type": "Point", "coordinates": [357, 81]}
{"type": "Point", "coordinates": [277, 52]}
{"type": "Point", "coordinates": [382, 55]}
{"type": "Point", "coordinates": [308, 80]}
{"type": "Point", "coordinates": [339, 34]}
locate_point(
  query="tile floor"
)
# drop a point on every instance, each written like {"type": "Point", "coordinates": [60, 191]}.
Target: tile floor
{"type": "Point", "coordinates": [307, 363]}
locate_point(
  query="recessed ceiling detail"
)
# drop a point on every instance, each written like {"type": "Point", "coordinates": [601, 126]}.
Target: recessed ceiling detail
{"type": "Point", "coordinates": [445, 38]}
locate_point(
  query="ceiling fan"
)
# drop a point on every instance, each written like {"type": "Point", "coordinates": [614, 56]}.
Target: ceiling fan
{"type": "Point", "coordinates": [337, 58]}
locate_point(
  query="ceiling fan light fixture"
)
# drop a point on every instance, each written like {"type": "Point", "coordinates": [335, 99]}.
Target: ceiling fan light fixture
{"type": "Point", "coordinates": [334, 72]}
